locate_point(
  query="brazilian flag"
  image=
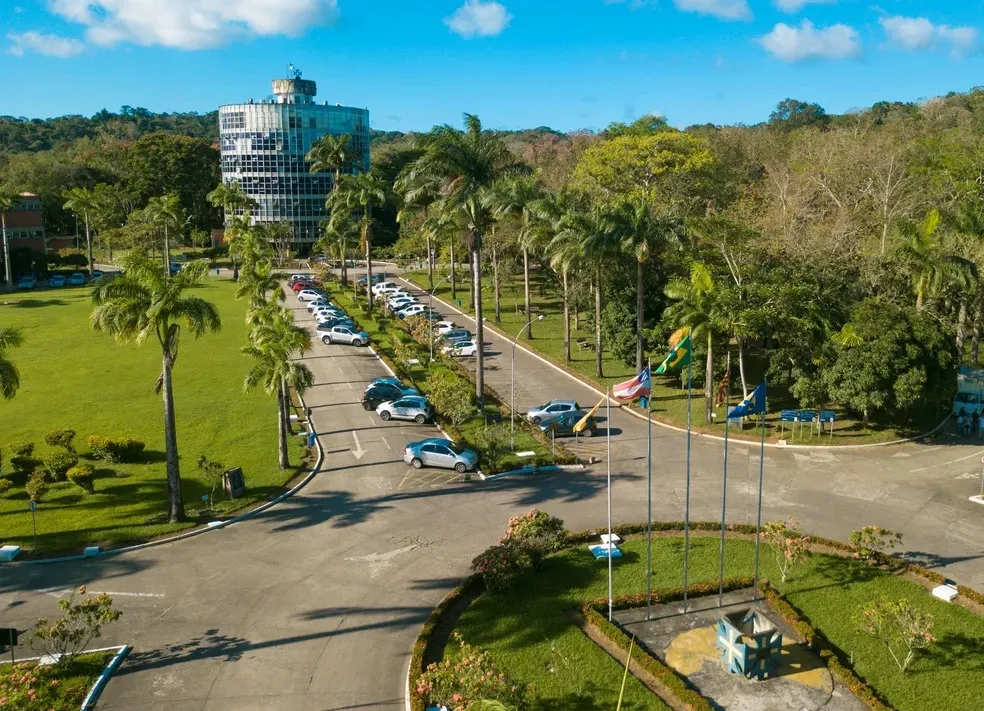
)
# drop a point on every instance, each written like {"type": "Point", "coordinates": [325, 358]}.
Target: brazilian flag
{"type": "Point", "coordinates": [678, 357]}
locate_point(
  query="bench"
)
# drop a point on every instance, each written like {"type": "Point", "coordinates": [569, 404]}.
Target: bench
{"type": "Point", "coordinates": [584, 344]}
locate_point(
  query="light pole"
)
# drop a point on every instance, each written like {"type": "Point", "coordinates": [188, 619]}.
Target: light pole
{"type": "Point", "coordinates": [430, 303]}
{"type": "Point", "coordinates": [512, 382]}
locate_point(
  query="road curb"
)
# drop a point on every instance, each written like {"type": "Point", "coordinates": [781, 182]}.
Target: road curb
{"type": "Point", "coordinates": [658, 423]}
{"type": "Point", "coordinates": [97, 688]}
{"type": "Point", "coordinates": [214, 526]}
{"type": "Point", "coordinates": [533, 469]}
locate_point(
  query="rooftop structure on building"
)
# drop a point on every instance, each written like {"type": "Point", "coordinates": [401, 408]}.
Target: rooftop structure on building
{"type": "Point", "coordinates": [264, 147]}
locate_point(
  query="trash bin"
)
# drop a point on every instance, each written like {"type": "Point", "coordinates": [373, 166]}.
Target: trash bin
{"type": "Point", "coordinates": [312, 438]}
{"type": "Point", "coordinates": [644, 402]}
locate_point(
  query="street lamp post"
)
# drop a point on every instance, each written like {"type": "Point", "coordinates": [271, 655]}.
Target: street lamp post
{"type": "Point", "coordinates": [512, 382]}
{"type": "Point", "coordinates": [430, 303]}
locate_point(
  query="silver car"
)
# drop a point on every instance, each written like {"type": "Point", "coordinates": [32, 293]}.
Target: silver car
{"type": "Point", "coordinates": [443, 453]}
{"type": "Point", "coordinates": [551, 409]}
{"type": "Point", "coordinates": [409, 407]}
{"type": "Point", "coordinates": [343, 334]}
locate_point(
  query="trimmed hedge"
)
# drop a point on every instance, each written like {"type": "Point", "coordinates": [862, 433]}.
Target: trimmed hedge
{"type": "Point", "coordinates": [115, 449]}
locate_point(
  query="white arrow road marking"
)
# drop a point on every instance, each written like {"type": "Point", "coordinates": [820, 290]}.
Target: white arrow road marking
{"type": "Point", "coordinates": [380, 561]}
{"type": "Point", "coordinates": [62, 592]}
{"type": "Point", "coordinates": [359, 452]}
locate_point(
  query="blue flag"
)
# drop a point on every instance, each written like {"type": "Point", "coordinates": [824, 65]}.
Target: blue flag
{"type": "Point", "coordinates": [752, 404]}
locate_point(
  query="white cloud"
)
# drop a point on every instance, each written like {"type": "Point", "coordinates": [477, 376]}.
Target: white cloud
{"type": "Point", "coordinates": [722, 9]}
{"type": "Point", "coordinates": [914, 33]}
{"type": "Point", "coordinates": [191, 24]}
{"type": "Point", "coordinates": [39, 43]}
{"type": "Point", "coordinates": [792, 44]}
{"type": "Point", "coordinates": [479, 19]}
{"type": "Point", "coordinates": [797, 5]}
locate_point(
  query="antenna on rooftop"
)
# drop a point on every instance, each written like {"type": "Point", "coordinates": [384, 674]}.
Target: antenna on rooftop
{"type": "Point", "coordinates": [293, 72]}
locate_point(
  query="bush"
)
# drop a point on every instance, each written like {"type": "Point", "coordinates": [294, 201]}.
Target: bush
{"type": "Point", "coordinates": [36, 486]}
{"type": "Point", "coordinates": [451, 396]}
{"type": "Point", "coordinates": [537, 533]}
{"type": "Point", "coordinates": [60, 438]}
{"type": "Point", "coordinates": [500, 564]}
{"type": "Point", "coordinates": [83, 621]}
{"type": "Point", "coordinates": [57, 464]}
{"type": "Point", "coordinates": [5, 485]}
{"type": "Point", "coordinates": [869, 543]}
{"type": "Point", "coordinates": [29, 686]}
{"type": "Point", "coordinates": [494, 440]}
{"type": "Point", "coordinates": [82, 476]}
{"type": "Point", "coordinates": [115, 449]}
{"type": "Point", "coordinates": [21, 449]}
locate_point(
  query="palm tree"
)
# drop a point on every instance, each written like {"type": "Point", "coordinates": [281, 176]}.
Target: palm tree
{"type": "Point", "coordinates": [418, 191]}
{"type": "Point", "coordinates": [275, 341]}
{"type": "Point", "coordinates": [644, 233]}
{"type": "Point", "coordinates": [332, 154]}
{"type": "Point", "coordinates": [361, 192]}
{"type": "Point", "coordinates": [231, 197]}
{"type": "Point", "coordinates": [81, 202]}
{"type": "Point", "coordinates": [145, 302]}
{"type": "Point", "coordinates": [517, 197]}
{"type": "Point", "coordinates": [466, 164]}
{"type": "Point", "coordinates": [602, 238]}
{"type": "Point", "coordinates": [560, 218]}
{"type": "Point", "coordinates": [7, 200]}
{"type": "Point", "coordinates": [437, 227]}
{"type": "Point", "coordinates": [167, 211]}
{"type": "Point", "coordinates": [260, 284]}
{"type": "Point", "coordinates": [930, 261]}
{"type": "Point", "coordinates": [340, 230]}
{"type": "Point", "coordinates": [9, 375]}
{"type": "Point", "coordinates": [695, 310]}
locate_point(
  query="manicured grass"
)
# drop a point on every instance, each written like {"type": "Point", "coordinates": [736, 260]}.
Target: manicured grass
{"type": "Point", "coordinates": [76, 378]}
{"type": "Point", "coordinates": [73, 682]}
{"type": "Point", "coordinates": [669, 400]}
{"type": "Point", "coordinates": [382, 334]}
{"type": "Point", "coordinates": [524, 625]}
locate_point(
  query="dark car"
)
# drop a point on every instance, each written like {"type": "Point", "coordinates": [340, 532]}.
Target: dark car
{"type": "Point", "coordinates": [378, 393]}
{"type": "Point", "coordinates": [563, 425]}
{"type": "Point", "coordinates": [376, 279]}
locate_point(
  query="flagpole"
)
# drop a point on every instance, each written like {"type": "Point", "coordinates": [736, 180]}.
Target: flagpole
{"type": "Point", "coordinates": [686, 510]}
{"type": "Point", "coordinates": [649, 491]}
{"type": "Point", "coordinates": [758, 521]}
{"type": "Point", "coordinates": [610, 543]}
{"type": "Point", "coordinates": [724, 500]}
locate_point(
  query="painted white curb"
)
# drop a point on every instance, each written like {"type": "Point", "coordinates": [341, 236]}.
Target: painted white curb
{"type": "Point", "coordinates": [639, 415]}
{"type": "Point", "coordinates": [212, 526]}
{"type": "Point", "coordinates": [548, 469]}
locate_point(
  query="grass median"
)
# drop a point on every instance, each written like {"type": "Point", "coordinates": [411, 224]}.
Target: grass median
{"type": "Point", "coordinates": [75, 378]}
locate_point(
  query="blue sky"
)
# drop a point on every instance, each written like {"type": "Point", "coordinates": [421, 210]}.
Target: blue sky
{"type": "Point", "coordinates": [517, 63]}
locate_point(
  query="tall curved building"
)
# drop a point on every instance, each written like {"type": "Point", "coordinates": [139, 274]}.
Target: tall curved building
{"type": "Point", "coordinates": [264, 145]}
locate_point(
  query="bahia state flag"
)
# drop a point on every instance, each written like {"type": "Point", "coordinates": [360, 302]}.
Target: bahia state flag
{"type": "Point", "coordinates": [639, 386]}
{"type": "Point", "coordinates": [750, 405]}
{"type": "Point", "coordinates": [678, 357]}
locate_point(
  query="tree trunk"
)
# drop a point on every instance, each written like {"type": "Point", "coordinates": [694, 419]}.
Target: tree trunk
{"type": "Point", "coordinates": [495, 284]}
{"type": "Point", "coordinates": [7, 268]}
{"type": "Point", "coordinates": [175, 510]}
{"type": "Point", "coordinates": [709, 379]}
{"type": "Point", "coordinates": [640, 308]}
{"type": "Point", "coordinates": [975, 336]}
{"type": "Point", "coordinates": [430, 265]}
{"type": "Point", "coordinates": [741, 366]}
{"type": "Point", "coordinates": [479, 326]}
{"type": "Point", "coordinates": [368, 238]}
{"type": "Point", "coordinates": [526, 301]}
{"type": "Point", "coordinates": [567, 320]}
{"type": "Point", "coordinates": [919, 299]}
{"type": "Point", "coordinates": [167, 252]}
{"type": "Point", "coordinates": [962, 326]}
{"type": "Point", "coordinates": [577, 318]}
{"type": "Point", "coordinates": [598, 321]}
{"type": "Point", "coordinates": [88, 242]}
{"type": "Point", "coordinates": [454, 288]}
{"type": "Point", "coordinates": [283, 418]}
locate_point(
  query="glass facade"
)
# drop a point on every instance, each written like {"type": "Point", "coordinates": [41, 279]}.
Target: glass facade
{"type": "Point", "coordinates": [263, 148]}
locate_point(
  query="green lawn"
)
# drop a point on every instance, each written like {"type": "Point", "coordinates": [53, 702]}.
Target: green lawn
{"type": "Point", "coordinates": [73, 377]}
{"type": "Point", "coordinates": [382, 335]}
{"type": "Point", "coordinates": [73, 683]}
{"type": "Point", "coordinates": [524, 626]}
{"type": "Point", "coordinates": [669, 401]}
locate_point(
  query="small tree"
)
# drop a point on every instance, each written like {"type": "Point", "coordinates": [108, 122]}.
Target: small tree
{"type": "Point", "coordinates": [82, 476]}
{"type": "Point", "coordinates": [500, 564]}
{"type": "Point", "coordinates": [83, 620]}
{"type": "Point", "coordinates": [789, 545]}
{"type": "Point", "coordinates": [212, 471]}
{"type": "Point", "coordinates": [902, 628]}
{"type": "Point", "coordinates": [61, 438]}
{"type": "Point", "coordinates": [538, 533]}
{"type": "Point", "coordinates": [494, 440]}
{"type": "Point", "coordinates": [404, 352]}
{"type": "Point", "coordinates": [451, 396]}
{"type": "Point", "coordinates": [58, 463]}
{"type": "Point", "coordinates": [36, 486]}
{"type": "Point", "coordinates": [870, 542]}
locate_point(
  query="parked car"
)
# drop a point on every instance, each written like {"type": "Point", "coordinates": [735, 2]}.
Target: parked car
{"type": "Point", "coordinates": [343, 334]}
{"type": "Point", "coordinates": [442, 327]}
{"type": "Point", "coordinates": [563, 425]}
{"type": "Point", "coordinates": [461, 349]}
{"type": "Point", "coordinates": [378, 393]}
{"type": "Point", "coordinates": [414, 310]}
{"type": "Point", "coordinates": [27, 282]}
{"type": "Point", "coordinates": [57, 281]}
{"type": "Point", "coordinates": [176, 267]}
{"type": "Point", "coordinates": [376, 279]}
{"type": "Point", "coordinates": [378, 288]}
{"type": "Point", "coordinates": [323, 315]}
{"type": "Point", "coordinates": [77, 279]}
{"type": "Point", "coordinates": [443, 453]}
{"type": "Point", "coordinates": [299, 286]}
{"type": "Point", "coordinates": [550, 409]}
{"type": "Point", "coordinates": [96, 274]}
{"type": "Point", "coordinates": [317, 304]}
{"type": "Point", "coordinates": [391, 291]}
{"type": "Point", "coordinates": [326, 323]}
{"type": "Point", "coordinates": [455, 335]}
{"type": "Point", "coordinates": [387, 379]}
{"type": "Point", "coordinates": [294, 278]}
{"type": "Point", "coordinates": [310, 295]}
{"type": "Point", "coordinates": [411, 407]}
{"type": "Point", "coordinates": [400, 302]}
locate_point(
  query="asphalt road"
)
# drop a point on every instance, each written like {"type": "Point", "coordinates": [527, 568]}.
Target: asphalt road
{"type": "Point", "coordinates": [315, 603]}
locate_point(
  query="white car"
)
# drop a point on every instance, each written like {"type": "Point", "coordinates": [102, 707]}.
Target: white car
{"type": "Point", "coordinates": [412, 310]}
{"type": "Point", "coordinates": [318, 304]}
{"type": "Point", "coordinates": [325, 313]}
{"type": "Point", "coordinates": [390, 291]}
{"type": "Point", "coordinates": [298, 277]}
{"type": "Point", "coordinates": [400, 302]}
{"type": "Point", "coordinates": [461, 349]}
{"type": "Point", "coordinates": [343, 334]}
{"type": "Point", "coordinates": [381, 286]}
{"type": "Point", "coordinates": [408, 407]}
{"type": "Point", "coordinates": [442, 327]}
{"type": "Point", "coordinates": [310, 295]}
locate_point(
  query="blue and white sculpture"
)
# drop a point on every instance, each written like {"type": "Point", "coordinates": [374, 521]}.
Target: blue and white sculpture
{"type": "Point", "coordinates": [750, 645]}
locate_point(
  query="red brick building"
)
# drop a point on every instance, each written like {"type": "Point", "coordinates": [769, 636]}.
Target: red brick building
{"type": "Point", "coordinates": [25, 223]}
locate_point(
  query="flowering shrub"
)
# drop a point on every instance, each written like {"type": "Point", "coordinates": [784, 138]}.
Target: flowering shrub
{"type": "Point", "coordinates": [499, 564]}
{"type": "Point", "coordinates": [469, 677]}
{"type": "Point", "coordinates": [68, 636]}
{"type": "Point", "coordinates": [26, 686]}
{"type": "Point", "coordinates": [902, 628]}
{"type": "Point", "coordinates": [538, 533]}
{"type": "Point", "coordinates": [868, 542]}
{"type": "Point", "coordinates": [789, 546]}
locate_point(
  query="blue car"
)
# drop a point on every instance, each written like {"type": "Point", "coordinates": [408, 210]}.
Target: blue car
{"type": "Point", "coordinates": [57, 281]}
{"type": "Point", "coordinates": [376, 279]}
{"type": "Point", "coordinates": [441, 453]}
